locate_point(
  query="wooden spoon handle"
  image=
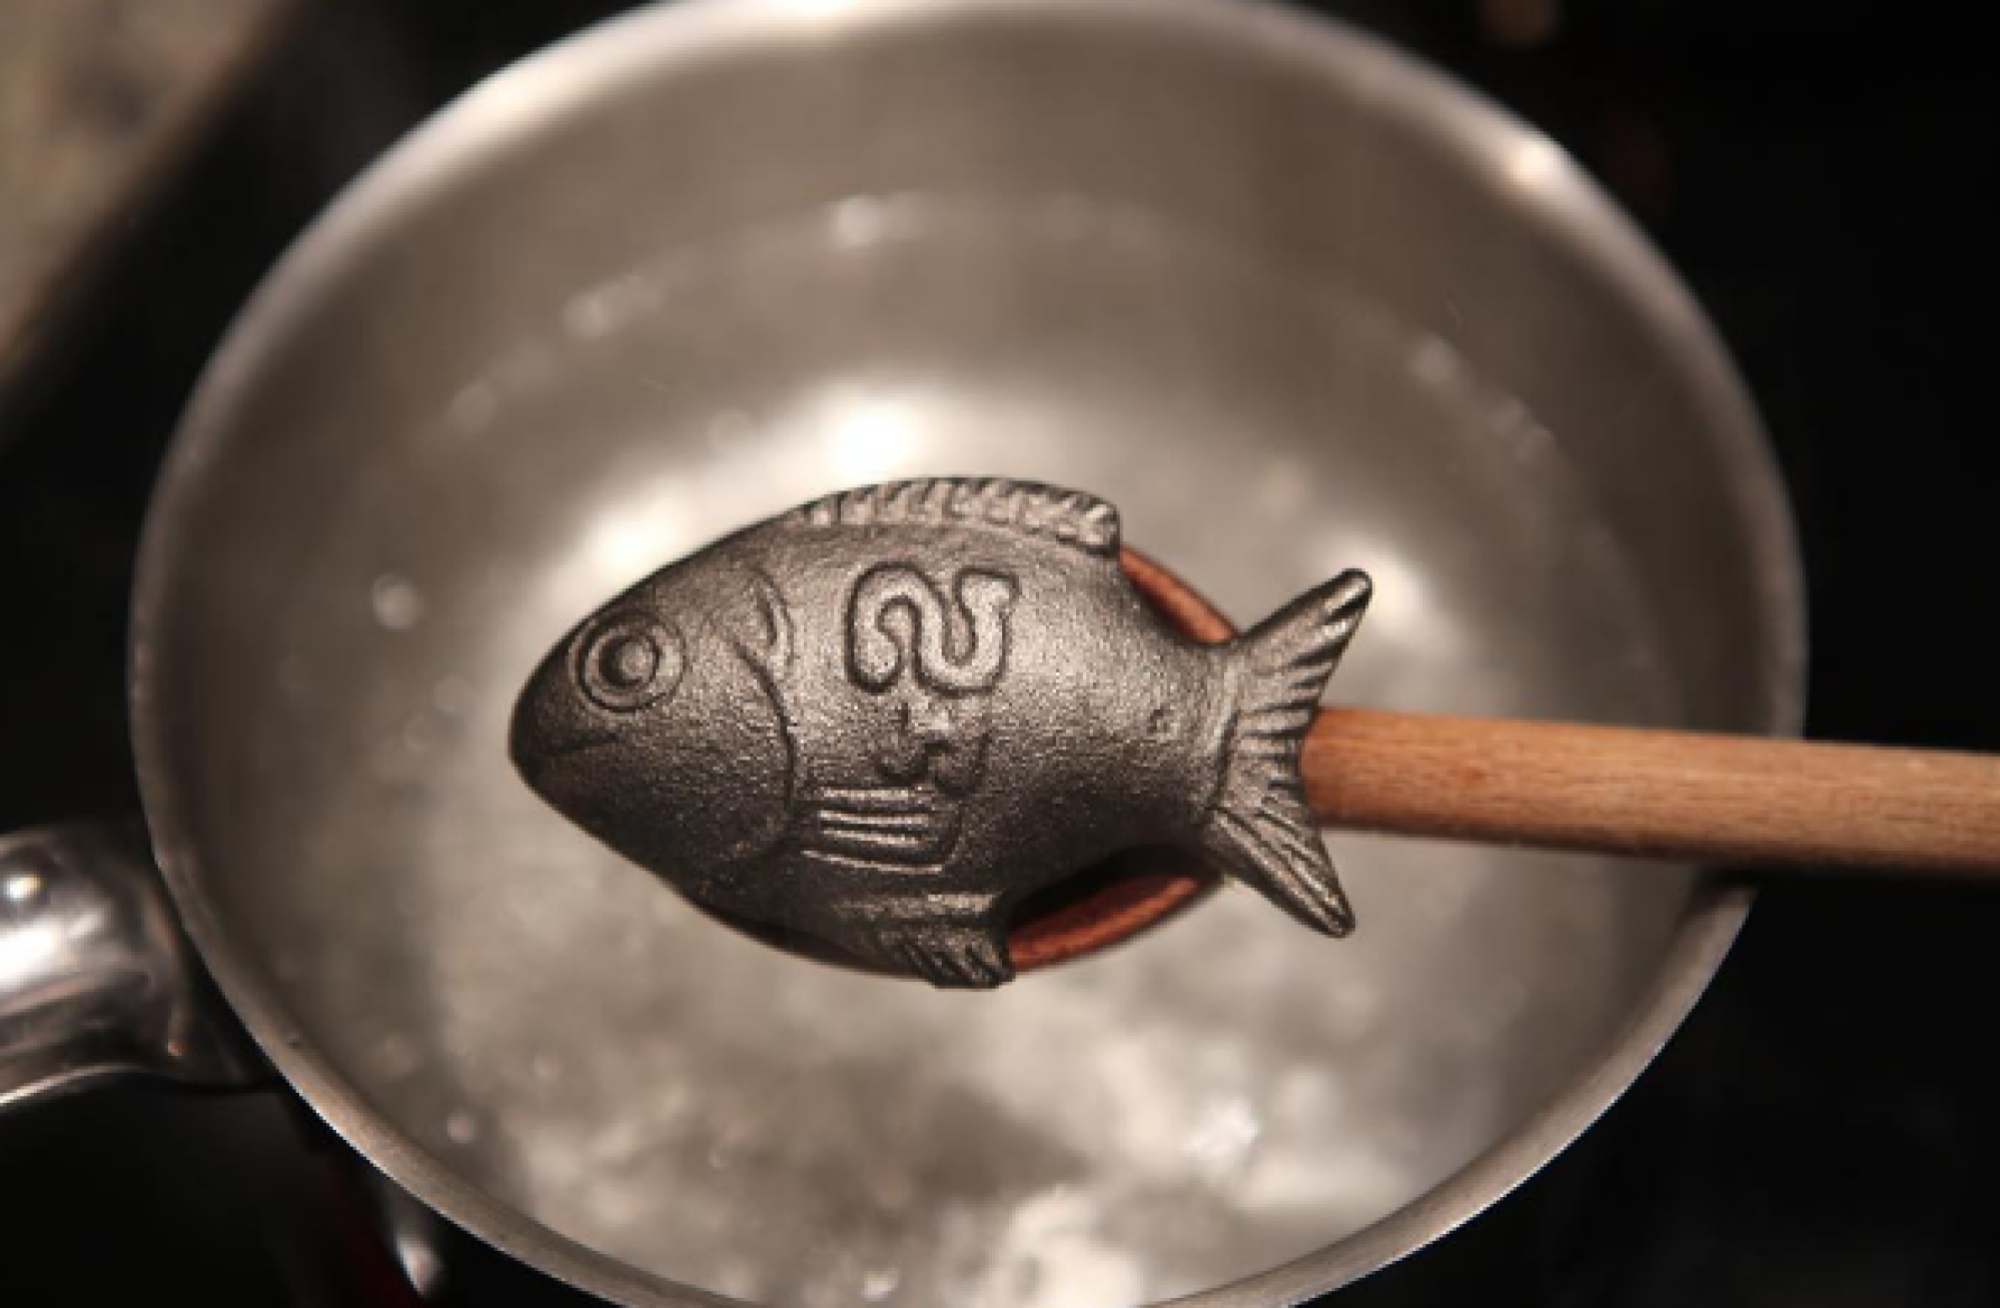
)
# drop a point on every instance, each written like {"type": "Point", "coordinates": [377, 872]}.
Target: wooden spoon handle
{"type": "Point", "coordinates": [1674, 795]}
{"type": "Point", "coordinates": [1669, 794]}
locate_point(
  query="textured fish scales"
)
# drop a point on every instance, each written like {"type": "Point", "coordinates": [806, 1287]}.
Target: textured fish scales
{"type": "Point", "coordinates": [887, 717]}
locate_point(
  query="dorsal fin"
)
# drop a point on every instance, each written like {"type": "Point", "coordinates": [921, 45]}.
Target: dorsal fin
{"type": "Point", "coordinates": [1064, 516]}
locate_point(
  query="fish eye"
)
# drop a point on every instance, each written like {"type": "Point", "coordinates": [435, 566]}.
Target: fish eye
{"type": "Point", "coordinates": [627, 661]}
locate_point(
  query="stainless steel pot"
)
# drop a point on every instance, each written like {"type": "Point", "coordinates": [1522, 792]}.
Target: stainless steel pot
{"type": "Point", "coordinates": [1292, 302]}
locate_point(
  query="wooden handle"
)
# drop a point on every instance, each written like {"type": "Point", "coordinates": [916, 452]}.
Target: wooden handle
{"type": "Point", "coordinates": [1668, 794]}
{"type": "Point", "coordinates": [1677, 795]}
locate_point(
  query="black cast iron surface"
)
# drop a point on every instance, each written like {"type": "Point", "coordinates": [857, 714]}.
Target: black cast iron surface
{"type": "Point", "coordinates": [1822, 1131]}
{"type": "Point", "coordinates": [884, 719]}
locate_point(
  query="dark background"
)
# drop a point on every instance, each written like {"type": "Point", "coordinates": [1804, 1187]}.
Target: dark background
{"type": "Point", "coordinates": [1821, 1133]}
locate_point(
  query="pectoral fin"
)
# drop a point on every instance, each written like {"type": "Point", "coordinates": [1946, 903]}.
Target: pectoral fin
{"type": "Point", "coordinates": [951, 956]}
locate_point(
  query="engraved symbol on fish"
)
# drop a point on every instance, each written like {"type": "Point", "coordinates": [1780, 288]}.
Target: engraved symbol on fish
{"type": "Point", "coordinates": [937, 659]}
{"type": "Point", "coordinates": [898, 617]}
{"type": "Point", "coordinates": [884, 719]}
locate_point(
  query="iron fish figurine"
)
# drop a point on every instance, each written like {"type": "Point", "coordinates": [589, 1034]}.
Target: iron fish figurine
{"type": "Point", "coordinates": [885, 718]}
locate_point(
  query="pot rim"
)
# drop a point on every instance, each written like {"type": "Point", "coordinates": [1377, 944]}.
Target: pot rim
{"type": "Point", "coordinates": [491, 116]}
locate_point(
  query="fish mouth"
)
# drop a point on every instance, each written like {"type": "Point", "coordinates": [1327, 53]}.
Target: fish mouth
{"type": "Point", "coordinates": [544, 752]}
{"type": "Point", "coordinates": [542, 733]}
{"type": "Point", "coordinates": [555, 769]}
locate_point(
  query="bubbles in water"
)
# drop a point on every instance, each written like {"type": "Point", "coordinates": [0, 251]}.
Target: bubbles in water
{"type": "Point", "coordinates": [859, 221]}
{"type": "Point", "coordinates": [590, 315]}
{"type": "Point", "coordinates": [879, 1283]}
{"type": "Point", "coordinates": [1224, 1132]}
{"type": "Point", "coordinates": [397, 602]}
{"type": "Point", "coordinates": [460, 1127]}
{"type": "Point", "coordinates": [1434, 363]}
{"type": "Point", "coordinates": [1054, 1254]}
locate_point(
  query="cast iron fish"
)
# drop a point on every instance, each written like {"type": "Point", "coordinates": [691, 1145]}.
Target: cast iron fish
{"type": "Point", "coordinates": [884, 718]}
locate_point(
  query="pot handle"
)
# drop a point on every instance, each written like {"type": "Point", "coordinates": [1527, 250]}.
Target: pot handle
{"type": "Point", "coordinates": [96, 979]}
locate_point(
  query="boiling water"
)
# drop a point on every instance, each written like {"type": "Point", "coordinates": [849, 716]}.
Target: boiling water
{"type": "Point", "coordinates": [1225, 1094]}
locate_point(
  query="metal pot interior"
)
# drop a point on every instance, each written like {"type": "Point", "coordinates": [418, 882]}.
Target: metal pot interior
{"type": "Point", "coordinates": [1291, 303]}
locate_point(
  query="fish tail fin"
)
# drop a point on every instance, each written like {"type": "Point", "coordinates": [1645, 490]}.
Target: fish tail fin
{"type": "Point", "coordinates": [1259, 829]}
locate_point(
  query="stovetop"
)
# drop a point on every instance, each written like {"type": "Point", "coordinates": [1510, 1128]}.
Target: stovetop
{"type": "Point", "coordinates": [1822, 1131]}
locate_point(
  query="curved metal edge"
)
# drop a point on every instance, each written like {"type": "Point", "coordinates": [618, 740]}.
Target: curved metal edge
{"type": "Point", "coordinates": [96, 981]}
{"type": "Point", "coordinates": [536, 91]}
